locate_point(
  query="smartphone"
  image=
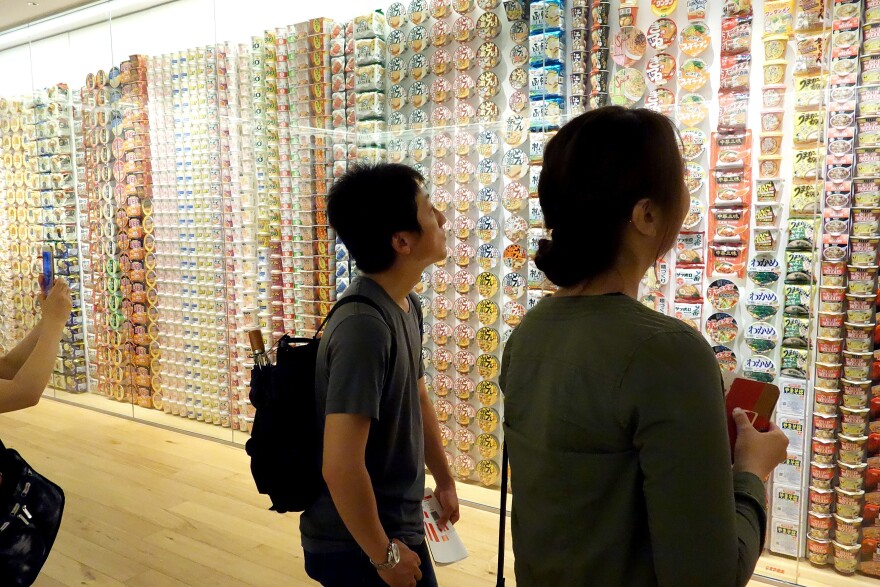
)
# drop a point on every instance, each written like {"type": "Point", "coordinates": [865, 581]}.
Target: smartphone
{"type": "Point", "coordinates": [48, 255]}
{"type": "Point", "coordinates": [757, 399]}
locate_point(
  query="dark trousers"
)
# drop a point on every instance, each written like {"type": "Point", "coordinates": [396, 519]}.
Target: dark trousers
{"type": "Point", "coordinates": [352, 568]}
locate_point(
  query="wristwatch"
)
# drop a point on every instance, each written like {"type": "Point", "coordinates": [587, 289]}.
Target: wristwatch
{"type": "Point", "coordinates": [392, 559]}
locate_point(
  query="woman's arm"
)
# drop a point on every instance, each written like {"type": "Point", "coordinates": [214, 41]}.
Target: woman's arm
{"type": "Point", "coordinates": [31, 378]}
{"type": "Point", "coordinates": [12, 362]}
{"type": "Point", "coordinates": [707, 524]}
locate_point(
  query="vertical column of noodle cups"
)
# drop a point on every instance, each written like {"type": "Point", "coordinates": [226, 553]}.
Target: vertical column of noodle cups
{"type": "Point", "coordinates": [54, 166]}
{"type": "Point", "coordinates": [311, 233]}
{"type": "Point", "coordinates": [282, 260]}
{"type": "Point", "coordinates": [19, 154]}
{"type": "Point", "coordinates": [300, 243]}
{"type": "Point", "coordinates": [321, 140]}
{"type": "Point", "coordinates": [245, 232]}
{"type": "Point", "coordinates": [161, 116]}
{"type": "Point", "coordinates": [140, 227]}
{"type": "Point", "coordinates": [82, 193]}
{"type": "Point", "coordinates": [269, 215]}
{"type": "Point", "coordinates": [730, 194]}
{"type": "Point", "coordinates": [258, 134]}
{"type": "Point", "coordinates": [7, 202]}
{"type": "Point", "coordinates": [342, 102]}
{"type": "Point", "coordinates": [504, 166]}
{"type": "Point", "coordinates": [225, 143]}
{"type": "Point", "coordinates": [690, 252]}
{"type": "Point", "coordinates": [579, 58]}
{"type": "Point", "coordinates": [89, 186]}
{"type": "Point", "coordinates": [762, 299]}
{"type": "Point", "coordinates": [865, 232]}
{"type": "Point", "coordinates": [103, 231]}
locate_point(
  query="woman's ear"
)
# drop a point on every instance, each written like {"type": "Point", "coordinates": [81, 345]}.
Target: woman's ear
{"type": "Point", "coordinates": [644, 217]}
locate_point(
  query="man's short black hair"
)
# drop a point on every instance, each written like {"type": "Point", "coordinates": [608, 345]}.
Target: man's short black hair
{"type": "Point", "coordinates": [371, 203]}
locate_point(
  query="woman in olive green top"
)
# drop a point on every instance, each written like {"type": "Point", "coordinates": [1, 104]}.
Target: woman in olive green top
{"type": "Point", "coordinates": [614, 413]}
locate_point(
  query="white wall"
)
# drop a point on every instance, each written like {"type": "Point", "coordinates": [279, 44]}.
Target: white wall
{"type": "Point", "coordinates": [68, 57]}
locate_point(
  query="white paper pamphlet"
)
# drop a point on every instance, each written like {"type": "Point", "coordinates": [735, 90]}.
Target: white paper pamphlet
{"type": "Point", "coordinates": [443, 541]}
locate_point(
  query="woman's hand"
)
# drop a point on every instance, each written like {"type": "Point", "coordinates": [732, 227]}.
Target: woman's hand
{"type": "Point", "coordinates": [757, 452]}
{"type": "Point", "coordinates": [57, 304]}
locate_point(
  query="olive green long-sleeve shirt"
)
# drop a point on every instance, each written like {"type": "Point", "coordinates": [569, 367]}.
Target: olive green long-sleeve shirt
{"type": "Point", "coordinates": [619, 456]}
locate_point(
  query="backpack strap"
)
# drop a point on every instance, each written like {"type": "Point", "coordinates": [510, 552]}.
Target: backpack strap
{"type": "Point", "coordinates": [350, 300]}
{"type": "Point", "coordinates": [365, 300]}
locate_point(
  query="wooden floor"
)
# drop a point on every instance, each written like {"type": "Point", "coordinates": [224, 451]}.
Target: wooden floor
{"type": "Point", "coordinates": [153, 508]}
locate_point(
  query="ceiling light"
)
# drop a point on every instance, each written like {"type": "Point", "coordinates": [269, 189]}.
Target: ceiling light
{"type": "Point", "coordinates": [32, 4]}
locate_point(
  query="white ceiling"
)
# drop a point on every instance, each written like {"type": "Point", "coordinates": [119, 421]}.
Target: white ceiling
{"type": "Point", "coordinates": [14, 13]}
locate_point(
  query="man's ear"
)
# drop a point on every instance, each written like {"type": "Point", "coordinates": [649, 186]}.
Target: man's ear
{"type": "Point", "coordinates": [401, 242]}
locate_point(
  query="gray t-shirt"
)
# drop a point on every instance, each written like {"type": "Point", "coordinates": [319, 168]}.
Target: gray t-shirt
{"type": "Point", "coordinates": [356, 374]}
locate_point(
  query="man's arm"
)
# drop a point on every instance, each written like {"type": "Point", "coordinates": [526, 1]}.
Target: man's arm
{"type": "Point", "coordinates": [345, 471]}
{"type": "Point", "coordinates": [12, 362]}
{"type": "Point", "coordinates": [436, 459]}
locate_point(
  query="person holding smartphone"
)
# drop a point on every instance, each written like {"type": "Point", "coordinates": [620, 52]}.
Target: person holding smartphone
{"type": "Point", "coordinates": [614, 414]}
{"type": "Point", "coordinates": [26, 369]}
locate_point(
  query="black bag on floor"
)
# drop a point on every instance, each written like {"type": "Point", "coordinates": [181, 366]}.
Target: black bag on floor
{"type": "Point", "coordinates": [31, 507]}
{"type": "Point", "coordinates": [284, 446]}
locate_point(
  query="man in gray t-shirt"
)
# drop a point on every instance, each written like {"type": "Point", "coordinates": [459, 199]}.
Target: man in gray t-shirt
{"type": "Point", "coordinates": [378, 423]}
{"type": "Point", "coordinates": [354, 362]}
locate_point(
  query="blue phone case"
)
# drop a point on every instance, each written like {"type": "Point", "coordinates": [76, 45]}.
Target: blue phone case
{"type": "Point", "coordinates": [48, 271]}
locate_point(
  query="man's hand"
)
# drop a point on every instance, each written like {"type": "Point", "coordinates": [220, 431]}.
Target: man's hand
{"type": "Point", "coordinates": [405, 573]}
{"type": "Point", "coordinates": [448, 498]}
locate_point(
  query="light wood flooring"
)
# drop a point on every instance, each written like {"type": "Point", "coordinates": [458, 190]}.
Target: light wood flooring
{"type": "Point", "coordinates": [149, 507]}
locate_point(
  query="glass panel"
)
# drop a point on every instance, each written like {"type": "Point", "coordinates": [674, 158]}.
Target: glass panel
{"type": "Point", "coordinates": [197, 164]}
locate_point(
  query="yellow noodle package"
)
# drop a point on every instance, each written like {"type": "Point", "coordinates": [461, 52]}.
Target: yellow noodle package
{"type": "Point", "coordinates": [779, 17]}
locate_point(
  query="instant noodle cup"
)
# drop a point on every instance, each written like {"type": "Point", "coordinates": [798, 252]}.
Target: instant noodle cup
{"type": "Point", "coordinates": [693, 74]}
{"type": "Point", "coordinates": [771, 144]}
{"type": "Point", "coordinates": [868, 162]}
{"type": "Point", "coordinates": [851, 477]}
{"type": "Point", "coordinates": [827, 400]}
{"type": "Point", "coordinates": [771, 120]}
{"type": "Point", "coordinates": [695, 39]}
{"type": "Point", "coordinates": [868, 131]}
{"type": "Point", "coordinates": [858, 337]}
{"type": "Point", "coordinates": [822, 476]}
{"type": "Point", "coordinates": [855, 393]}
{"type": "Point", "coordinates": [866, 192]}
{"type": "Point", "coordinates": [854, 421]}
{"type": "Point", "coordinates": [824, 452]}
{"type": "Point", "coordinates": [828, 349]}
{"type": "Point", "coordinates": [870, 70]}
{"type": "Point", "coordinates": [857, 366]}
{"type": "Point", "coordinates": [863, 251]}
{"type": "Point", "coordinates": [820, 525]}
{"type": "Point", "coordinates": [869, 100]}
{"type": "Point", "coordinates": [825, 426]}
{"type": "Point", "coordinates": [860, 309]}
{"type": "Point", "coordinates": [852, 449]}
{"type": "Point", "coordinates": [774, 71]}
{"type": "Point", "coordinates": [862, 280]}
{"type": "Point", "coordinates": [849, 503]}
{"type": "Point", "coordinates": [818, 550]}
{"type": "Point", "coordinates": [866, 221]}
{"type": "Point", "coordinates": [847, 530]}
{"type": "Point", "coordinates": [775, 47]}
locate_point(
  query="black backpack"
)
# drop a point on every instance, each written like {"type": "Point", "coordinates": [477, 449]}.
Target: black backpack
{"type": "Point", "coordinates": [285, 443]}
